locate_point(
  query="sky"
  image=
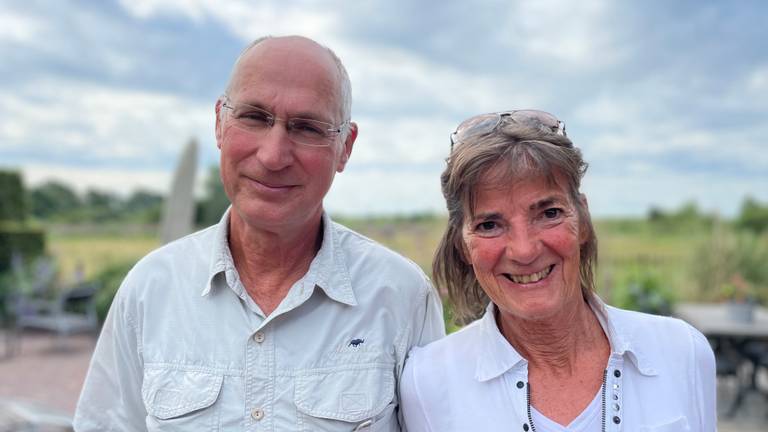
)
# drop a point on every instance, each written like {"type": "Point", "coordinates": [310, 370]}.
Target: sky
{"type": "Point", "coordinates": [667, 100]}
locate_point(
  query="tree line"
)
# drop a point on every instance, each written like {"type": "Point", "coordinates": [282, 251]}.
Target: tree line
{"type": "Point", "coordinates": [58, 202]}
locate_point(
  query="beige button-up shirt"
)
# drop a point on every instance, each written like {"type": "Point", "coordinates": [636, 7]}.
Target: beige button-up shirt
{"type": "Point", "coordinates": [185, 348]}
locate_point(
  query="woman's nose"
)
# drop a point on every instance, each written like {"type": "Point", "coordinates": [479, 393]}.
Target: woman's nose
{"type": "Point", "coordinates": [522, 246]}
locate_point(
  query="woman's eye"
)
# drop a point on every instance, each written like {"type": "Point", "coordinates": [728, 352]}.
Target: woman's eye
{"type": "Point", "coordinates": [553, 213]}
{"type": "Point", "coordinates": [486, 226]}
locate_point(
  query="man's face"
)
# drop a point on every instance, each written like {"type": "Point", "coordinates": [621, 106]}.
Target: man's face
{"type": "Point", "coordinates": [273, 183]}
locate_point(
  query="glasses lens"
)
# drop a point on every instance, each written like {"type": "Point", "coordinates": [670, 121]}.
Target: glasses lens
{"type": "Point", "coordinates": [251, 118]}
{"type": "Point", "coordinates": [475, 126]}
{"type": "Point", "coordinates": [310, 132]}
{"type": "Point", "coordinates": [538, 120]}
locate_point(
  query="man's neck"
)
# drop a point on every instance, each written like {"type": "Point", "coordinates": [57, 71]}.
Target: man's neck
{"type": "Point", "coordinates": [269, 262]}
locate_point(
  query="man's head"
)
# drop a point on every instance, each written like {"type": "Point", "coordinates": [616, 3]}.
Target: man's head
{"type": "Point", "coordinates": [274, 179]}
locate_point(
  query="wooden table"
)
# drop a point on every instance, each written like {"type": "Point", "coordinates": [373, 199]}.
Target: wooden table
{"type": "Point", "coordinates": [746, 341]}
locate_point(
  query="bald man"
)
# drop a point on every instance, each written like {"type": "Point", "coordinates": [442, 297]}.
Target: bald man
{"type": "Point", "coordinates": [276, 318]}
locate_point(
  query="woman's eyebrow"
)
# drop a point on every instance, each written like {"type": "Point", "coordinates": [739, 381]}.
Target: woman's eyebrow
{"type": "Point", "coordinates": [547, 202]}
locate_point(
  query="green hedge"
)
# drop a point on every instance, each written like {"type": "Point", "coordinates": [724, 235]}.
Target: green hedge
{"type": "Point", "coordinates": [27, 241]}
{"type": "Point", "coordinates": [12, 203]}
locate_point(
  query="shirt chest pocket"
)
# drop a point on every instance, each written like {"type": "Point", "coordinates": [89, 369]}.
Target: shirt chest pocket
{"type": "Point", "coordinates": [181, 400]}
{"type": "Point", "coordinates": [346, 398]}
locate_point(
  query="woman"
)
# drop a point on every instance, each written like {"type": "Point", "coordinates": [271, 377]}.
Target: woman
{"type": "Point", "coordinates": [548, 354]}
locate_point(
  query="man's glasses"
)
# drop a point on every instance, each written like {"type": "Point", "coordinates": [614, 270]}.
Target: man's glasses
{"type": "Point", "coordinates": [308, 132]}
{"type": "Point", "coordinates": [484, 124]}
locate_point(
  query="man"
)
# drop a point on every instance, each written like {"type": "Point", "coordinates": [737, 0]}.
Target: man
{"type": "Point", "coordinates": [276, 319]}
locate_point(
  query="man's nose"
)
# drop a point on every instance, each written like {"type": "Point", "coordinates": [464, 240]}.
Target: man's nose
{"type": "Point", "coordinates": [523, 246]}
{"type": "Point", "coordinates": [275, 148]}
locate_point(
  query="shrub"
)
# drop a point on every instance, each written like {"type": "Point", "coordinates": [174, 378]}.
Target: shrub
{"type": "Point", "coordinates": [109, 280]}
{"type": "Point", "coordinates": [12, 203]}
{"type": "Point", "coordinates": [644, 291]}
{"type": "Point", "coordinates": [726, 255]}
{"type": "Point", "coordinates": [26, 241]}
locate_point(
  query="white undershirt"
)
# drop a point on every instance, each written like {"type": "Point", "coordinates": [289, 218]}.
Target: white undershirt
{"type": "Point", "coordinates": [590, 420]}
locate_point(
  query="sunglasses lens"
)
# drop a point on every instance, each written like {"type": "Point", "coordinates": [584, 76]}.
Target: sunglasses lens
{"type": "Point", "coordinates": [477, 125]}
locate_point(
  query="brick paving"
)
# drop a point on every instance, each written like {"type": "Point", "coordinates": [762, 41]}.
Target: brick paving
{"type": "Point", "coordinates": [51, 376]}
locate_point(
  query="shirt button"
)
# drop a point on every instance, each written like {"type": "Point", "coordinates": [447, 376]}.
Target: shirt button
{"type": "Point", "coordinates": [525, 427]}
{"type": "Point", "coordinates": [617, 373]}
{"type": "Point", "coordinates": [520, 384]}
{"type": "Point", "coordinates": [257, 413]}
{"type": "Point", "coordinates": [616, 419]}
{"type": "Point", "coordinates": [259, 337]}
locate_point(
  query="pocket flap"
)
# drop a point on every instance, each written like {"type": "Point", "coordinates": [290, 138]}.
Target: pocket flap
{"type": "Point", "coordinates": [169, 393]}
{"type": "Point", "coordinates": [349, 393]}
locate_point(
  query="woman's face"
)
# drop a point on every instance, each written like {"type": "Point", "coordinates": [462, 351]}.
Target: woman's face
{"type": "Point", "coordinates": [523, 244]}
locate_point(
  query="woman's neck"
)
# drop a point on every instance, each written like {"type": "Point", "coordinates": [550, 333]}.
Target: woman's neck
{"type": "Point", "coordinates": [557, 343]}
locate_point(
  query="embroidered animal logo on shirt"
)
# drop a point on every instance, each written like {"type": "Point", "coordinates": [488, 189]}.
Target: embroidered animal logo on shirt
{"type": "Point", "coordinates": [356, 342]}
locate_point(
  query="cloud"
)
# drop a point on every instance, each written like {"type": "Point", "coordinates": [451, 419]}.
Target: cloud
{"type": "Point", "coordinates": [568, 34]}
{"type": "Point", "coordinates": [19, 28]}
{"type": "Point", "coordinates": [77, 122]}
{"type": "Point", "coordinates": [247, 19]}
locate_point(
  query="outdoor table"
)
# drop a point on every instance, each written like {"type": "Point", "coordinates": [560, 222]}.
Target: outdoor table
{"type": "Point", "coordinates": [716, 323]}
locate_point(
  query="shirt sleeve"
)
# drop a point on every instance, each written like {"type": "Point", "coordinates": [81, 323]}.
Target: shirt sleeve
{"type": "Point", "coordinates": [432, 323]}
{"type": "Point", "coordinates": [414, 417]}
{"type": "Point", "coordinates": [427, 325]}
{"type": "Point", "coordinates": [111, 396]}
{"type": "Point", "coordinates": [704, 376]}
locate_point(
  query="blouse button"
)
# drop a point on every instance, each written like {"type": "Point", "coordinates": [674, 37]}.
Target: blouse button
{"type": "Point", "coordinates": [616, 419]}
{"type": "Point", "coordinates": [520, 384]}
{"type": "Point", "coordinates": [525, 427]}
{"type": "Point", "coordinates": [617, 373]}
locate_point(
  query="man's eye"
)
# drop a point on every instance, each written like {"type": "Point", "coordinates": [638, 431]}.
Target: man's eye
{"type": "Point", "coordinates": [308, 128]}
{"type": "Point", "coordinates": [254, 117]}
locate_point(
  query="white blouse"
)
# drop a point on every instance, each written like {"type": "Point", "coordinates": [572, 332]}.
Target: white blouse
{"type": "Point", "coordinates": [660, 377]}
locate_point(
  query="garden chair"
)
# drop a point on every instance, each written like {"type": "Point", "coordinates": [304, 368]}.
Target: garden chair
{"type": "Point", "coordinates": [72, 311]}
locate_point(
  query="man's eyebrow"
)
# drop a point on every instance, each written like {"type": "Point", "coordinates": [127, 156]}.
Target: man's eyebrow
{"type": "Point", "coordinates": [307, 115]}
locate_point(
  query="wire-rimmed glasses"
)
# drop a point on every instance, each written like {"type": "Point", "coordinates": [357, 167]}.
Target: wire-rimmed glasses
{"type": "Point", "coordinates": [258, 121]}
{"type": "Point", "coordinates": [486, 123]}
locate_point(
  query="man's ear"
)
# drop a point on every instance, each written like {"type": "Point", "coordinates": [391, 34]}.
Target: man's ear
{"type": "Point", "coordinates": [219, 123]}
{"type": "Point", "coordinates": [349, 142]}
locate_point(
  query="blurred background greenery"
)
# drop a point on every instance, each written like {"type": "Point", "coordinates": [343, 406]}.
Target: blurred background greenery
{"type": "Point", "coordinates": [646, 263]}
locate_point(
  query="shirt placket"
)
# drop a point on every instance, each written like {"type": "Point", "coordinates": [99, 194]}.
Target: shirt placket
{"type": "Point", "coordinates": [614, 402]}
{"type": "Point", "coordinates": [516, 382]}
{"type": "Point", "coordinates": [260, 380]}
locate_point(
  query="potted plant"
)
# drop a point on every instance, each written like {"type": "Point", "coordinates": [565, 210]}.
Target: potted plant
{"type": "Point", "coordinates": [740, 296]}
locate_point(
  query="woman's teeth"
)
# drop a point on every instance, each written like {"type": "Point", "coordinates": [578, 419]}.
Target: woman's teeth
{"type": "Point", "coordinates": [530, 278]}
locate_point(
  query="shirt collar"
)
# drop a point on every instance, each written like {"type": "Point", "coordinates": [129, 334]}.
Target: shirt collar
{"type": "Point", "coordinates": [221, 257]}
{"type": "Point", "coordinates": [328, 269]}
{"type": "Point", "coordinates": [621, 336]}
{"type": "Point", "coordinates": [498, 356]}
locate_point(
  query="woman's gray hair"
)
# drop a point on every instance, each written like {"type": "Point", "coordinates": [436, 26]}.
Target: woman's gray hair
{"type": "Point", "coordinates": [515, 151]}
